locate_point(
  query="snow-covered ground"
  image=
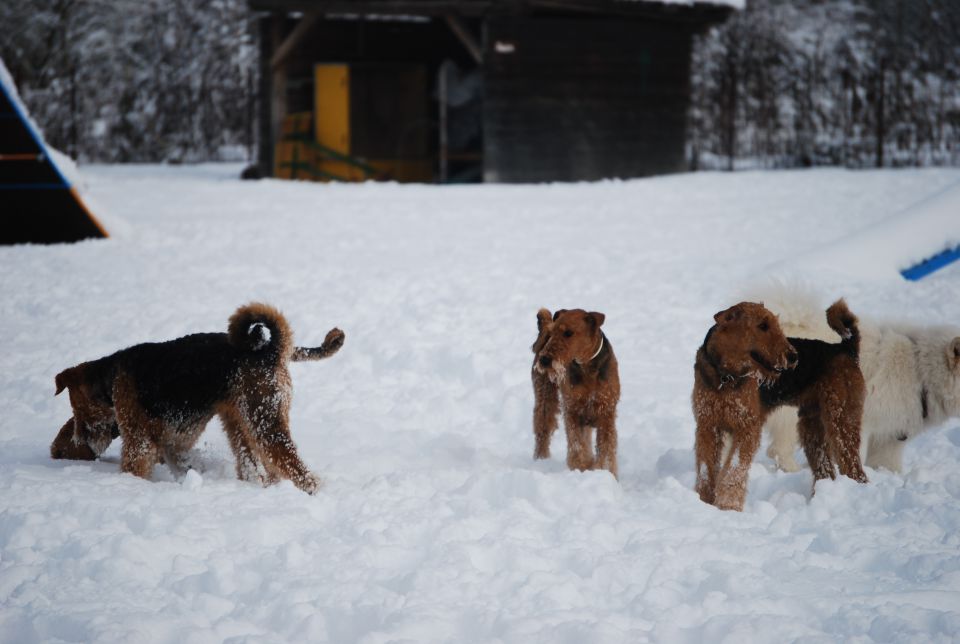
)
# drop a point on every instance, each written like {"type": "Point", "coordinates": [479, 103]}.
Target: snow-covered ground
{"type": "Point", "coordinates": [435, 525]}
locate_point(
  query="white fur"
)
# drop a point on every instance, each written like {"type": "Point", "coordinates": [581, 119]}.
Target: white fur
{"type": "Point", "coordinates": [899, 362]}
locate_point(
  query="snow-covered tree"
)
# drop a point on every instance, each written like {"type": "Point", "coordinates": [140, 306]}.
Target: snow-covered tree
{"type": "Point", "coordinates": [852, 82]}
{"type": "Point", "coordinates": [133, 80]}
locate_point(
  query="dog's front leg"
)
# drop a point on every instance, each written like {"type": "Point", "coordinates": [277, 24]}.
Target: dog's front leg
{"type": "Point", "coordinates": [739, 449]}
{"type": "Point", "coordinates": [279, 454]}
{"type": "Point", "coordinates": [579, 449]}
{"type": "Point", "coordinates": [607, 445]}
{"type": "Point", "coordinates": [708, 447]}
{"type": "Point", "coordinates": [139, 453]}
{"type": "Point", "coordinates": [546, 405]}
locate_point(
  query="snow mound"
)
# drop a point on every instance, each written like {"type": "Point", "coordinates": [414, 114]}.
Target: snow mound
{"type": "Point", "coordinates": [882, 250]}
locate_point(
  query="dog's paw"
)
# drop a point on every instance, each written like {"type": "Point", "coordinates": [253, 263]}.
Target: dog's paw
{"type": "Point", "coordinates": [311, 483]}
{"type": "Point", "coordinates": [334, 339]}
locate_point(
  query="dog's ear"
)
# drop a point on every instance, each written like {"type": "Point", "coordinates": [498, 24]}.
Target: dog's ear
{"type": "Point", "coordinates": [595, 319]}
{"type": "Point", "coordinates": [64, 379]}
{"type": "Point", "coordinates": [953, 353]}
{"type": "Point", "coordinates": [558, 313]}
{"type": "Point", "coordinates": [732, 314]}
{"type": "Point", "coordinates": [543, 316]}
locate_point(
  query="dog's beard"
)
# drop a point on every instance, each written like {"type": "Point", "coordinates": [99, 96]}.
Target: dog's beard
{"type": "Point", "coordinates": [764, 371]}
{"type": "Point", "coordinates": [556, 373]}
{"type": "Point", "coordinates": [763, 378]}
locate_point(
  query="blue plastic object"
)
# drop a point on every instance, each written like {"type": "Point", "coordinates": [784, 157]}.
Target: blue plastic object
{"type": "Point", "coordinates": [931, 264]}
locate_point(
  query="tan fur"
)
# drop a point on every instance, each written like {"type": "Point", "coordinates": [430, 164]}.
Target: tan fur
{"type": "Point", "coordinates": [568, 368]}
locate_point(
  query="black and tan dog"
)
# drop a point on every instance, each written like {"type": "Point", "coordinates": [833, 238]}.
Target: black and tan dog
{"type": "Point", "coordinates": [160, 396]}
{"type": "Point", "coordinates": [574, 363]}
{"type": "Point", "coordinates": [828, 390]}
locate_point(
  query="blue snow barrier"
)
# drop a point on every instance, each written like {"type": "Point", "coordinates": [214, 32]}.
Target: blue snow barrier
{"type": "Point", "coordinates": [931, 264]}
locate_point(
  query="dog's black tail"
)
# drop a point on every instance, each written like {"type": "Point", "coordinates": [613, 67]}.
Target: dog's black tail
{"type": "Point", "coordinates": [845, 323]}
{"type": "Point", "coordinates": [331, 344]}
{"type": "Point", "coordinates": [259, 328]}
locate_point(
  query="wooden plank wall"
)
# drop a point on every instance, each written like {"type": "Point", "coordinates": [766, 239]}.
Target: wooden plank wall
{"type": "Point", "coordinates": [569, 100]}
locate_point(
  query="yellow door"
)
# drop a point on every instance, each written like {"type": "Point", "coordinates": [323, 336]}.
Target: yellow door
{"type": "Point", "coordinates": [332, 106]}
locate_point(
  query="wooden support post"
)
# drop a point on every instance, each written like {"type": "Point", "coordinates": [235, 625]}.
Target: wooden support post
{"type": "Point", "coordinates": [285, 48]}
{"type": "Point", "coordinates": [463, 34]}
{"type": "Point", "coordinates": [442, 98]}
{"type": "Point", "coordinates": [265, 140]}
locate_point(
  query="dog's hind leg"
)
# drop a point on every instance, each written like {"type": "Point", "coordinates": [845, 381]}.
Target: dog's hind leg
{"type": "Point", "coordinates": [546, 406]}
{"type": "Point", "coordinates": [843, 436]}
{"type": "Point", "coordinates": [813, 439]}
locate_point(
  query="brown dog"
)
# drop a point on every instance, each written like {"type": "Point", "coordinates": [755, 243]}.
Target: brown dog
{"type": "Point", "coordinates": [743, 349]}
{"type": "Point", "coordinates": [160, 396]}
{"type": "Point", "coordinates": [574, 361]}
{"type": "Point", "coordinates": [740, 377]}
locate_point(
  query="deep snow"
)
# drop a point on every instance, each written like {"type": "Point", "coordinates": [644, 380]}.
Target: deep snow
{"type": "Point", "coordinates": [435, 525]}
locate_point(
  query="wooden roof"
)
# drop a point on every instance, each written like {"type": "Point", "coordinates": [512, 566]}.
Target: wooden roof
{"type": "Point", "coordinates": [708, 11]}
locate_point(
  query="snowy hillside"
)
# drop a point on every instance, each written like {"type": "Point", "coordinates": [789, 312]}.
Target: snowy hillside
{"type": "Point", "coordinates": [435, 525]}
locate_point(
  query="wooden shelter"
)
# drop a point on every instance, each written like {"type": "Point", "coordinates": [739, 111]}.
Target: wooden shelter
{"type": "Point", "coordinates": [461, 90]}
{"type": "Point", "coordinates": [38, 202]}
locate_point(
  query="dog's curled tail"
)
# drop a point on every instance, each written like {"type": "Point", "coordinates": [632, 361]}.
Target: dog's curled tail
{"type": "Point", "coordinates": [64, 379]}
{"type": "Point", "coordinates": [259, 327]}
{"type": "Point", "coordinates": [331, 344]}
{"type": "Point", "coordinates": [845, 323]}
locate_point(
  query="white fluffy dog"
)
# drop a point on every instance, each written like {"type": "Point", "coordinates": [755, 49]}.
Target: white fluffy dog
{"type": "Point", "coordinates": [912, 375]}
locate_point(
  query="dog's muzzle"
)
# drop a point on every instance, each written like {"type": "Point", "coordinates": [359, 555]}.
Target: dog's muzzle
{"type": "Point", "coordinates": [763, 362]}
{"type": "Point", "coordinates": [553, 369]}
